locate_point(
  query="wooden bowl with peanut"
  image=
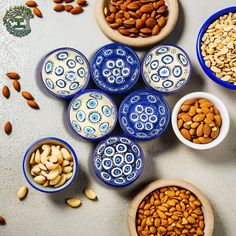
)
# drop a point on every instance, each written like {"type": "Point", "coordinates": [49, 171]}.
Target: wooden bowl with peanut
{"type": "Point", "coordinates": [170, 207]}
{"type": "Point", "coordinates": [137, 23]}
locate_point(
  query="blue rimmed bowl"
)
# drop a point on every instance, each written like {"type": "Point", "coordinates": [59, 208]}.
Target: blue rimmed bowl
{"type": "Point", "coordinates": [115, 68]}
{"type": "Point", "coordinates": [65, 72]}
{"type": "Point", "coordinates": [92, 114]}
{"type": "Point", "coordinates": [144, 115]}
{"type": "Point", "coordinates": [166, 68]}
{"type": "Point", "coordinates": [118, 161]}
{"type": "Point", "coordinates": [26, 164]}
{"type": "Point", "coordinates": [202, 31]}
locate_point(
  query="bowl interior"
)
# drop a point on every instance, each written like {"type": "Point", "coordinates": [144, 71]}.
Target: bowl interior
{"type": "Point", "coordinates": [206, 207]}
{"type": "Point", "coordinates": [116, 68]}
{"type": "Point", "coordinates": [202, 31]}
{"type": "Point", "coordinates": [223, 112]}
{"type": "Point", "coordinates": [166, 68]}
{"type": "Point", "coordinates": [144, 115]}
{"type": "Point", "coordinates": [137, 42]}
{"type": "Point", "coordinates": [118, 161]}
{"type": "Point", "coordinates": [92, 114]}
{"type": "Point", "coordinates": [65, 72]}
{"type": "Point", "coordinates": [26, 165]}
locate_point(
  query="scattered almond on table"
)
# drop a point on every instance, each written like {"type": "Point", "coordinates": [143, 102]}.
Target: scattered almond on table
{"type": "Point", "coordinates": [8, 128]}
{"type": "Point", "coordinates": [6, 92]}
{"type": "Point", "coordinates": [134, 18]}
{"type": "Point", "coordinates": [22, 192]}
{"type": "Point", "coordinates": [16, 85]}
{"type": "Point", "coordinates": [74, 202]}
{"type": "Point", "coordinates": [89, 193]}
{"type": "Point", "coordinates": [199, 121]}
{"type": "Point", "coordinates": [2, 220]}
{"type": "Point", "coordinates": [36, 10]}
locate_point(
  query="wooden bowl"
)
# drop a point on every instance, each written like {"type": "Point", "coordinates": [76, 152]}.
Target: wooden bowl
{"type": "Point", "coordinates": [139, 41]}
{"type": "Point", "coordinates": [206, 207]}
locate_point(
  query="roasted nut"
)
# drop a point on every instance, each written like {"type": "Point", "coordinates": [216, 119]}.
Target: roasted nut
{"type": "Point", "coordinates": [22, 192]}
{"type": "Point", "coordinates": [90, 194]}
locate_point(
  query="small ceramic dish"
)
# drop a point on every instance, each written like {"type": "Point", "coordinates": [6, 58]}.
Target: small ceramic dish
{"type": "Point", "coordinates": [166, 68]}
{"type": "Point", "coordinates": [118, 161]}
{"type": "Point", "coordinates": [144, 115]}
{"type": "Point", "coordinates": [223, 112]}
{"type": "Point", "coordinates": [137, 42]}
{"type": "Point", "coordinates": [202, 31]}
{"type": "Point", "coordinates": [65, 72]}
{"type": "Point", "coordinates": [92, 114]}
{"type": "Point", "coordinates": [206, 207]}
{"type": "Point", "coordinates": [115, 68]}
{"type": "Point", "coordinates": [26, 164]}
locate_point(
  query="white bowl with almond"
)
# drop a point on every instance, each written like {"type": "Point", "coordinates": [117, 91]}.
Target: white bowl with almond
{"type": "Point", "coordinates": [200, 120]}
{"type": "Point", "coordinates": [137, 23]}
{"type": "Point", "coordinates": [50, 165]}
{"type": "Point", "coordinates": [170, 207]}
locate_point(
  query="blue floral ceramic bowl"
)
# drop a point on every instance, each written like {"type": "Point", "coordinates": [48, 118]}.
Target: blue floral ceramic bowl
{"type": "Point", "coordinates": [118, 161]}
{"type": "Point", "coordinates": [26, 164]}
{"type": "Point", "coordinates": [166, 68]}
{"type": "Point", "coordinates": [144, 115]}
{"type": "Point", "coordinates": [115, 68]}
{"type": "Point", "coordinates": [92, 114]}
{"type": "Point", "coordinates": [65, 72]}
{"type": "Point", "coordinates": [202, 31]}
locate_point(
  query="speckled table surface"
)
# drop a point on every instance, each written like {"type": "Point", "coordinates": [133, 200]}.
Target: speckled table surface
{"type": "Point", "coordinates": [212, 171]}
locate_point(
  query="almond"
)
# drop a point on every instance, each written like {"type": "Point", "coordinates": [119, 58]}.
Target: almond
{"type": "Point", "coordinates": [27, 95]}
{"type": "Point", "coordinates": [139, 23]}
{"type": "Point", "coordinates": [68, 8]}
{"type": "Point", "coordinates": [58, 1]}
{"type": "Point", "coordinates": [155, 30]}
{"type": "Point", "coordinates": [82, 2]}
{"type": "Point", "coordinates": [110, 19]}
{"type": "Point", "coordinates": [13, 75]}
{"type": "Point", "coordinates": [150, 23]}
{"type": "Point", "coordinates": [148, 8]}
{"type": "Point", "coordinates": [146, 30]}
{"type": "Point", "coordinates": [6, 92]}
{"type": "Point", "coordinates": [162, 21]}
{"type": "Point", "coordinates": [124, 32]}
{"type": "Point", "coordinates": [8, 128]}
{"type": "Point", "coordinates": [129, 23]}
{"type": "Point", "coordinates": [205, 140]}
{"type": "Point", "coordinates": [33, 104]}
{"type": "Point", "coordinates": [31, 4]}
{"type": "Point", "coordinates": [68, 1]}
{"type": "Point", "coordinates": [37, 12]}
{"type": "Point", "coordinates": [186, 134]}
{"type": "Point", "coordinates": [59, 8]}
{"type": "Point", "coordinates": [2, 221]}
{"type": "Point", "coordinates": [162, 9]}
{"type": "Point", "coordinates": [77, 10]}
{"type": "Point", "coordinates": [133, 6]}
{"type": "Point", "coordinates": [16, 85]}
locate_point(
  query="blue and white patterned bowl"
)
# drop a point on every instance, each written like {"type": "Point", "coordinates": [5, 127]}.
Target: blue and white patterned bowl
{"type": "Point", "coordinates": [65, 72]}
{"type": "Point", "coordinates": [118, 161]}
{"type": "Point", "coordinates": [144, 115]}
{"type": "Point", "coordinates": [115, 68]}
{"type": "Point", "coordinates": [166, 68]}
{"type": "Point", "coordinates": [92, 114]}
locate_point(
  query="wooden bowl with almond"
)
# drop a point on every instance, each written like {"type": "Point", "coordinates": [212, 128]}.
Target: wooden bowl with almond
{"type": "Point", "coordinates": [170, 207]}
{"type": "Point", "coordinates": [137, 23]}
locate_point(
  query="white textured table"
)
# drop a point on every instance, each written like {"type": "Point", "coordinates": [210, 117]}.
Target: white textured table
{"type": "Point", "coordinates": [214, 171]}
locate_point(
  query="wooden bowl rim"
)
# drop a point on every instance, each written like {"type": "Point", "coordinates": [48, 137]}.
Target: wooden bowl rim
{"type": "Point", "coordinates": [139, 41]}
{"type": "Point", "coordinates": [206, 206]}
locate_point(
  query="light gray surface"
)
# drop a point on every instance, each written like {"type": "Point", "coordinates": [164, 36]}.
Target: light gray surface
{"type": "Point", "coordinates": [40, 214]}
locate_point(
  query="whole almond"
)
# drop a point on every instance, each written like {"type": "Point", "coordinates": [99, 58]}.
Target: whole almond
{"type": "Point", "coordinates": [58, 1]}
{"type": "Point", "coordinates": [139, 23]}
{"type": "Point", "coordinates": [150, 23]}
{"type": "Point", "coordinates": [146, 30]}
{"type": "Point", "coordinates": [6, 92]}
{"type": "Point", "coordinates": [185, 134]}
{"type": "Point", "coordinates": [59, 8]}
{"type": "Point", "coordinates": [16, 85]}
{"type": "Point", "coordinates": [68, 1]}
{"type": "Point", "coordinates": [162, 21]}
{"type": "Point", "coordinates": [129, 23]}
{"type": "Point", "coordinates": [74, 202]}
{"type": "Point", "coordinates": [90, 194]}
{"type": "Point", "coordinates": [110, 19]}
{"type": "Point", "coordinates": [2, 221]}
{"type": "Point", "coordinates": [27, 95]}
{"type": "Point", "coordinates": [13, 75]}
{"type": "Point", "coordinates": [68, 8]}
{"type": "Point", "coordinates": [37, 12]}
{"type": "Point", "coordinates": [82, 2]}
{"type": "Point", "coordinates": [8, 128]}
{"type": "Point", "coordinates": [31, 4]}
{"type": "Point", "coordinates": [133, 6]}
{"type": "Point", "coordinates": [33, 104]}
{"type": "Point", "coordinates": [22, 192]}
{"type": "Point", "coordinates": [124, 32]}
{"type": "Point", "coordinates": [148, 8]}
{"type": "Point", "coordinates": [162, 9]}
{"type": "Point", "coordinates": [77, 10]}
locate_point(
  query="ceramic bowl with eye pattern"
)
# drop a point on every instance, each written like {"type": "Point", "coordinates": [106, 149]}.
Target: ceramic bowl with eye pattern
{"type": "Point", "coordinates": [118, 161]}
{"type": "Point", "coordinates": [92, 114]}
{"type": "Point", "coordinates": [166, 68]}
{"type": "Point", "coordinates": [144, 115]}
{"type": "Point", "coordinates": [65, 72]}
{"type": "Point", "coordinates": [115, 68]}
